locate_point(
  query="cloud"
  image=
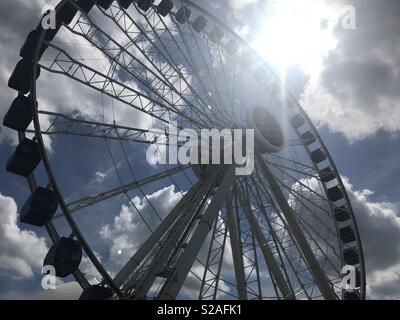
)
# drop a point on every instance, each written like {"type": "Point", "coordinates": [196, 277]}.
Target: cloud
{"type": "Point", "coordinates": [128, 230]}
{"type": "Point", "coordinates": [89, 270]}
{"type": "Point", "coordinates": [21, 251]}
{"type": "Point", "coordinates": [357, 92]}
{"type": "Point", "coordinates": [241, 4]}
{"type": "Point", "coordinates": [379, 225]}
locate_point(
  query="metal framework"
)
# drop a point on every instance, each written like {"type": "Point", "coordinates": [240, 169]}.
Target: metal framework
{"type": "Point", "coordinates": [276, 234]}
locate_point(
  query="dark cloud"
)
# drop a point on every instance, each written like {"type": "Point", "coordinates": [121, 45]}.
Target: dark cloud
{"type": "Point", "coordinates": [359, 86]}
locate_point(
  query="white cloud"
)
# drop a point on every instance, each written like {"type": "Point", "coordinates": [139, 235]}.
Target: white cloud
{"type": "Point", "coordinates": [128, 230]}
{"type": "Point", "coordinates": [89, 270]}
{"type": "Point", "coordinates": [241, 4]}
{"type": "Point", "coordinates": [379, 225]}
{"type": "Point", "coordinates": [21, 251]}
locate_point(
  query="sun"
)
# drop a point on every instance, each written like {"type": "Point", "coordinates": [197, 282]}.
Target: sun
{"type": "Point", "coordinates": [295, 33]}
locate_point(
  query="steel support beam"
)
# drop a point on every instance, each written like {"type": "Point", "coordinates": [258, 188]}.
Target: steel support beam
{"type": "Point", "coordinates": [214, 262]}
{"type": "Point", "coordinates": [174, 241]}
{"type": "Point", "coordinates": [156, 236]}
{"type": "Point", "coordinates": [318, 274]}
{"type": "Point", "coordinates": [183, 265]}
{"type": "Point", "coordinates": [64, 64]}
{"type": "Point", "coordinates": [70, 125]}
{"type": "Point", "coordinates": [237, 253]}
{"type": "Point", "coordinates": [79, 204]}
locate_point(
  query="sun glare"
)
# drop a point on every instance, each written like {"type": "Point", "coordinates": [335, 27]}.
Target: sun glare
{"type": "Point", "coordinates": [295, 33]}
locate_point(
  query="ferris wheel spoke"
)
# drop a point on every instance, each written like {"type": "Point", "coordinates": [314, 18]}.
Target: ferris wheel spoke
{"type": "Point", "coordinates": [300, 183]}
{"type": "Point", "coordinates": [79, 204]}
{"type": "Point", "coordinates": [135, 68]}
{"type": "Point", "coordinates": [143, 42]}
{"type": "Point", "coordinates": [127, 160]}
{"type": "Point", "coordinates": [261, 186]}
{"type": "Point", "coordinates": [161, 30]}
{"type": "Point", "coordinates": [64, 64]}
{"type": "Point", "coordinates": [294, 162]}
{"type": "Point", "coordinates": [72, 125]}
{"type": "Point", "coordinates": [228, 110]}
{"type": "Point", "coordinates": [214, 87]}
{"type": "Point", "coordinates": [225, 73]}
{"type": "Point", "coordinates": [287, 242]}
{"type": "Point", "coordinates": [319, 251]}
{"type": "Point", "coordinates": [320, 277]}
{"type": "Point", "coordinates": [280, 245]}
{"type": "Point", "coordinates": [300, 195]}
{"type": "Point", "coordinates": [162, 74]}
{"type": "Point", "coordinates": [208, 63]}
{"type": "Point", "coordinates": [306, 225]}
{"type": "Point", "coordinates": [185, 61]}
{"type": "Point", "coordinates": [307, 173]}
{"type": "Point", "coordinates": [237, 102]}
{"type": "Point", "coordinates": [215, 105]}
{"type": "Point", "coordinates": [230, 92]}
{"type": "Point", "coordinates": [300, 268]}
{"type": "Point", "coordinates": [300, 199]}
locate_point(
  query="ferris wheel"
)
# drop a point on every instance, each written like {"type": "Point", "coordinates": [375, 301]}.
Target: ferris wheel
{"type": "Point", "coordinates": [283, 232]}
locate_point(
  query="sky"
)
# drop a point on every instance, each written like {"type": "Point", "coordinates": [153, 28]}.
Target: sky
{"type": "Point", "coordinates": [347, 80]}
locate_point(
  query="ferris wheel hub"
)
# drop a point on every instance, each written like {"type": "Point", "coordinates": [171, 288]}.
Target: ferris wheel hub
{"type": "Point", "coordinates": [267, 129]}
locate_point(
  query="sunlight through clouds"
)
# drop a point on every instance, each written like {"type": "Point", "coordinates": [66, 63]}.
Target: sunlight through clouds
{"type": "Point", "coordinates": [295, 34]}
